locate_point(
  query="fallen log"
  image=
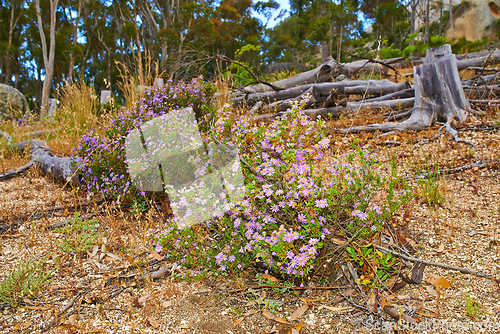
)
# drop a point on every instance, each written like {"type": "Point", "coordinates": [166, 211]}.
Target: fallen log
{"type": "Point", "coordinates": [402, 94]}
{"type": "Point", "coordinates": [312, 95]}
{"type": "Point", "coordinates": [374, 88]}
{"type": "Point", "coordinates": [483, 80]}
{"type": "Point", "coordinates": [322, 73]}
{"type": "Point", "coordinates": [324, 89]}
{"type": "Point", "coordinates": [487, 89]}
{"type": "Point", "coordinates": [484, 69]}
{"type": "Point", "coordinates": [58, 168]}
{"type": "Point", "coordinates": [485, 101]}
{"type": "Point", "coordinates": [386, 104]}
{"type": "Point", "coordinates": [492, 58]}
{"type": "Point", "coordinates": [326, 71]}
{"type": "Point", "coordinates": [313, 113]}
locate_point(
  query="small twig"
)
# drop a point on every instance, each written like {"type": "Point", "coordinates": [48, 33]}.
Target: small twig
{"type": "Point", "coordinates": [435, 264]}
{"type": "Point", "coordinates": [57, 318]}
{"type": "Point", "coordinates": [371, 60]}
{"type": "Point", "coordinates": [64, 222]}
{"type": "Point", "coordinates": [290, 288]}
{"type": "Point", "coordinates": [225, 58]}
{"type": "Point", "coordinates": [479, 164]}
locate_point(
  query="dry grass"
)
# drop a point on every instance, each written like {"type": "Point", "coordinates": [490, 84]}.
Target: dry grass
{"type": "Point", "coordinates": [132, 82]}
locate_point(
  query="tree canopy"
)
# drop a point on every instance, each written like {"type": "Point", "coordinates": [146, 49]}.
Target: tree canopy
{"type": "Point", "coordinates": [183, 37]}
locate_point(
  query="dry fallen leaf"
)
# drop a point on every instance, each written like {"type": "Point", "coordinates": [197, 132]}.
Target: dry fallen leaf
{"type": "Point", "coordinates": [439, 282]}
{"type": "Point", "coordinates": [251, 312]}
{"type": "Point", "coordinates": [135, 302]}
{"type": "Point", "coordinates": [72, 319]}
{"type": "Point", "coordinates": [428, 312]}
{"type": "Point", "coordinates": [372, 302]}
{"type": "Point", "coordinates": [167, 303]}
{"type": "Point", "coordinates": [276, 318]}
{"type": "Point", "coordinates": [432, 291]}
{"type": "Point", "coordinates": [340, 298]}
{"type": "Point", "coordinates": [113, 256]}
{"type": "Point", "coordinates": [139, 302]}
{"type": "Point", "coordinates": [237, 322]}
{"type": "Point", "coordinates": [95, 249]}
{"type": "Point", "coordinates": [156, 255]}
{"type": "Point", "coordinates": [270, 278]}
{"type": "Point", "coordinates": [299, 312]}
{"type": "Point", "coordinates": [337, 309]}
{"type": "Point", "coordinates": [440, 249]}
{"type": "Point", "coordinates": [153, 323]}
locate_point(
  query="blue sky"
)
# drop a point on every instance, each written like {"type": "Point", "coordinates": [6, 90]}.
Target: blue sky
{"type": "Point", "coordinates": [275, 20]}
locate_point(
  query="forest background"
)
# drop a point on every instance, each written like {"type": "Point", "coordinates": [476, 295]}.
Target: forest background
{"type": "Point", "coordinates": [59, 41]}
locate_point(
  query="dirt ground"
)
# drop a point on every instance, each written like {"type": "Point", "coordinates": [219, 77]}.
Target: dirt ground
{"type": "Point", "coordinates": [107, 288]}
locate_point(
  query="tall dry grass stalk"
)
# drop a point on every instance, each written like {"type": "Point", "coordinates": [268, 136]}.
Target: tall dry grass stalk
{"type": "Point", "coordinates": [133, 82]}
{"type": "Point", "coordinates": [78, 111]}
{"type": "Point", "coordinates": [223, 84]}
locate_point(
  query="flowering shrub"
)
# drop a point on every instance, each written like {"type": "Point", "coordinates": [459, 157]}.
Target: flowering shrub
{"type": "Point", "coordinates": [103, 156]}
{"type": "Point", "coordinates": [293, 203]}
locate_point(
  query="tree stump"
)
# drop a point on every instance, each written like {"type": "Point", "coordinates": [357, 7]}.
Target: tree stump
{"type": "Point", "coordinates": [439, 96]}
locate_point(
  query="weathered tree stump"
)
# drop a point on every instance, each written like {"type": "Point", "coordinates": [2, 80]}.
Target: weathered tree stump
{"type": "Point", "coordinates": [439, 96]}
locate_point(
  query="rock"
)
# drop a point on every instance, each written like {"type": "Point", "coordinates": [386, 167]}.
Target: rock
{"type": "Point", "coordinates": [278, 67]}
{"type": "Point", "coordinates": [13, 104]}
{"type": "Point", "coordinates": [474, 20]}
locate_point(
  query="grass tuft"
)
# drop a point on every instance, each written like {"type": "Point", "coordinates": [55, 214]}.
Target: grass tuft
{"type": "Point", "coordinates": [78, 236]}
{"type": "Point", "coordinates": [27, 279]}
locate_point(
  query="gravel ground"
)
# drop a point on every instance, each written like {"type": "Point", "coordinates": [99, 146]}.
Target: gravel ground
{"type": "Point", "coordinates": [85, 295]}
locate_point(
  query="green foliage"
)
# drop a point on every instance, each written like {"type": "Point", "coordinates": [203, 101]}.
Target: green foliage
{"type": "Point", "coordinates": [429, 190]}
{"type": "Point", "coordinates": [139, 206]}
{"type": "Point", "coordinates": [376, 266]}
{"type": "Point", "coordinates": [465, 46]}
{"type": "Point", "coordinates": [79, 235]}
{"type": "Point", "coordinates": [472, 306]}
{"type": "Point", "coordinates": [241, 76]}
{"type": "Point", "coordinates": [25, 280]}
{"type": "Point", "coordinates": [418, 48]}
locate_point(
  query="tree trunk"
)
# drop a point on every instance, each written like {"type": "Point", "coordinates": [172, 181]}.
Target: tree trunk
{"type": "Point", "coordinates": [439, 95]}
{"type": "Point", "coordinates": [451, 16]}
{"type": "Point", "coordinates": [427, 12]}
{"type": "Point", "coordinates": [339, 50]}
{"type": "Point", "coordinates": [48, 57]}
{"type": "Point", "coordinates": [440, 17]}
{"type": "Point", "coordinates": [75, 41]}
